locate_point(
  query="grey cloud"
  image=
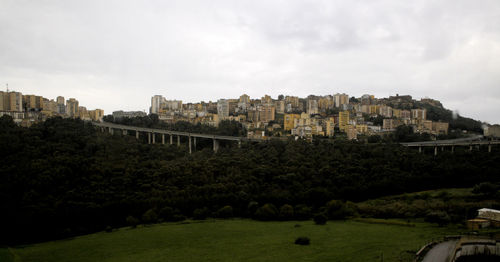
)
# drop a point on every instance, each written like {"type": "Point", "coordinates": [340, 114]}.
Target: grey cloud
{"type": "Point", "coordinates": [117, 54]}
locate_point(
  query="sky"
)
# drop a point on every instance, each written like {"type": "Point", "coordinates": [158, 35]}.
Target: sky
{"type": "Point", "coordinates": [117, 54]}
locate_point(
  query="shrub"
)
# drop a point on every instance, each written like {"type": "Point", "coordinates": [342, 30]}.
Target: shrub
{"type": "Point", "coordinates": [267, 212]}
{"type": "Point", "coordinates": [302, 212]}
{"type": "Point", "coordinates": [171, 215]}
{"type": "Point", "coordinates": [286, 212]}
{"type": "Point", "coordinates": [320, 219]}
{"type": "Point", "coordinates": [109, 229]}
{"type": "Point", "coordinates": [440, 217]}
{"type": "Point", "coordinates": [486, 189]}
{"type": "Point", "coordinates": [150, 217]}
{"type": "Point", "coordinates": [302, 241]}
{"type": "Point", "coordinates": [200, 213]}
{"type": "Point", "coordinates": [225, 212]}
{"type": "Point", "coordinates": [337, 209]}
{"type": "Point", "coordinates": [252, 208]}
{"type": "Point", "coordinates": [132, 221]}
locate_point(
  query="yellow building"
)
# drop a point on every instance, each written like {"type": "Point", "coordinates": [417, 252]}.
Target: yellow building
{"type": "Point", "coordinates": [343, 120]}
{"type": "Point", "coordinates": [288, 121]}
{"type": "Point", "coordinates": [330, 126]}
{"type": "Point", "coordinates": [362, 129]}
{"type": "Point", "coordinates": [374, 109]}
{"type": "Point", "coordinates": [96, 115]}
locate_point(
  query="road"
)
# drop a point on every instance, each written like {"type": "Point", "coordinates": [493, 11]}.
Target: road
{"type": "Point", "coordinates": [440, 252]}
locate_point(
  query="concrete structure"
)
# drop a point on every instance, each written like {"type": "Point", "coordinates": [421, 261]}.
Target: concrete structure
{"type": "Point", "coordinates": [492, 131]}
{"type": "Point", "coordinates": [72, 107]}
{"type": "Point", "coordinates": [223, 109]}
{"type": "Point", "coordinates": [340, 99]}
{"type": "Point", "coordinates": [153, 132]}
{"type": "Point", "coordinates": [129, 114]}
{"type": "Point", "coordinates": [156, 102]}
{"type": "Point", "coordinates": [343, 120]}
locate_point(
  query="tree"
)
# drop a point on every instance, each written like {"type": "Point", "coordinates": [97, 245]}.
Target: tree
{"type": "Point", "coordinates": [267, 212]}
{"type": "Point", "coordinates": [150, 217]}
{"type": "Point", "coordinates": [132, 221]}
{"type": "Point", "coordinates": [225, 212]}
{"type": "Point", "coordinates": [320, 219]}
{"type": "Point", "coordinates": [286, 212]}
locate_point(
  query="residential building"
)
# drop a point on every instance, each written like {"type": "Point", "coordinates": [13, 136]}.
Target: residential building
{"type": "Point", "coordinates": [96, 115]}
{"type": "Point", "coordinates": [129, 114]}
{"type": "Point", "coordinates": [289, 120]}
{"type": "Point", "coordinates": [420, 114]}
{"type": "Point", "coordinates": [72, 108]}
{"type": "Point", "coordinates": [343, 120]}
{"type": "Point", "coordinates": [156, 102]}
{"type": "Point", "coordinates": [223, 109]}
{"type": "Point", "coordinates": [340, 99]}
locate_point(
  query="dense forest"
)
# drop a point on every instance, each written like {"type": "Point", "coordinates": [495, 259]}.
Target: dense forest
{"type": "Point", "coordinates": [62, 178]}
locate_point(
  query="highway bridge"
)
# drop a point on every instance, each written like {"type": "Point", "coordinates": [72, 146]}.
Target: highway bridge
{"type": "Point", "coordinates": [471, 142]}
{"type": "Point", "coordinates": [153, 132]}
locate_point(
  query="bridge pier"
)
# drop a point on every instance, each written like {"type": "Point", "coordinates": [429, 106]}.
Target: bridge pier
{"type": "Point", "coordinates": [470, 148]}
{"type": "Point", "coordinates": [489, 148]}
{"type": "Point", "coordinates": [216, 145]}
{"type": "Point", "coordinates": [111, 131]}
{"type": "Point", "coordinates": [189, 138]}
{"type": "Point", "coordinates": [154, 137]}
{"type": "Point", "coordinates": [435, 151]}
{"type": "Point", "coordinates": [239, 143]}
{"type": "Point", "coordinates": [171, 139]}
{"type": "Point", "coordinates": [162, 139]}
{"type": "Point", "coordinates": [420, 149]}
{"type": "Point", "coordinates": [452, 149]}
{"type": "Point", "coordinates": [149, 138]}
{"type": "Point", "coordinates": [124, 132]}
{"type": "Point", "coordinates": [194, 140]}
{"type": "Point", "coordinates": [136, 134]}
{"type": "Point", "coordinates": [178, 140]}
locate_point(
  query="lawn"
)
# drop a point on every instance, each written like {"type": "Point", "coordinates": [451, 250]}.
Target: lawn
{"type": "Point", "coordinates": [238, 240]}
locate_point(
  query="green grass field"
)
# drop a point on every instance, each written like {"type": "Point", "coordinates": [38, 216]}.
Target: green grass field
{"type": "Point", "coordinates": [239, 240]}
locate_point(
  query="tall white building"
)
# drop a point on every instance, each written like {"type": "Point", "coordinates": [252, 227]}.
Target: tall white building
{"type": "Point", "coordinates": [340, 99]}
{"type": "Point", "coordinates": [223, 108]}
{"type": "Point", "coordinates": [156, 102]}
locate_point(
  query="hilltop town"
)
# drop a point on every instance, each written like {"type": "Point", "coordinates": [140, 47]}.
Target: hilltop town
{"type": "Point", "coordinates": [304, 117]}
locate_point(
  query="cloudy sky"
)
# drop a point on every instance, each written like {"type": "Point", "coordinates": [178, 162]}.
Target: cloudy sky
{"type": "Point", "coordinates": [117, 54]}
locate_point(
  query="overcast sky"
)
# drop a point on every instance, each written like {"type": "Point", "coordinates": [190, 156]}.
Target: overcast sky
{"type": "Point", "coordinates": [117, 54]}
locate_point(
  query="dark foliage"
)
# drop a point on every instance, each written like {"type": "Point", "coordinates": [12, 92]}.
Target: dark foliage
{"type": "Point", "coordinates": [62, 178]}
{"type": "Point", "coordinates": [320, 219]}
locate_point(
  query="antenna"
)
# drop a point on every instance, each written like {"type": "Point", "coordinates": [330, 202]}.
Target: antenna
{"type": "Point", "coordinates": [7, 84]}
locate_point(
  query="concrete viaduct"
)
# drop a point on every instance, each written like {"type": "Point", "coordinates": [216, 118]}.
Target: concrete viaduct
{"type": "Point", "coordinates": [471, 141]}
{"type": "Point", "coordinates": [152, 132]}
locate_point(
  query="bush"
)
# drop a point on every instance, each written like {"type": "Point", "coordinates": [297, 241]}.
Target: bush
{"type": "Point", "coordinates": [302, 241]}
{"type": "Point", "coordinates": [200, 213]}
{"type": "Point", "coordinates": [225, 212]}
{"type": "Point", "coordinates": [132, 221]}
{"type": "Point", "coordinates": [337, 209]}
{"type": "Point", "coordinates": [267, 212]}
{"type": "Point", "coordinates": [320, 219]}
{"type": "Point", "coordinates": [286, 212]}
{"type": "Point", "coordinates": [440, 217]}
{"type": "Point", "coordinates": [486, 189]}
{"type": "Point", "coordinates": [252, 208]}
{"type": "Point", "coordinates": [171, 215]}
{"type": "Point", "coordinates": [150, 217]}
{"type": "Point", "coordinates": [109, 229]}
{"type": "Point", "coordinates": [302, 212]}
